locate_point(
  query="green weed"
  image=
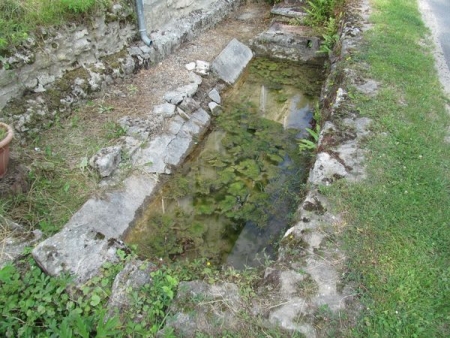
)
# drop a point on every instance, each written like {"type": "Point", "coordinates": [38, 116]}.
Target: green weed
{"type": "Point", "coordinates": [319, 11]}
{"type": "Point", "coordinates": [308, 145]}
{"type": "Point", "coordinates": [114, 130]}
{"type": "Point", "coordinates": [36, 305]}
{"type": "Point", "coordinates": [330, 36]}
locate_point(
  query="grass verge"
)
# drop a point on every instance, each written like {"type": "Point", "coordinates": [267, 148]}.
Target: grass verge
{"type": "Point", "coordinates": [399, 240]}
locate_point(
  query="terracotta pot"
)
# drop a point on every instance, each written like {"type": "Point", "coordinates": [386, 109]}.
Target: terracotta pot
{"type": "Point", "coordinates": [4, 148]}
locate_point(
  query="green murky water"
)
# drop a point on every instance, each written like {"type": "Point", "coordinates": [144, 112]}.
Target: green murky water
{"type": "Point", "coordinates": [236, 195]}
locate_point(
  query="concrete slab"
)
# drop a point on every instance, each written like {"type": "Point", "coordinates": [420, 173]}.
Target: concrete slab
{"type": "Point", "coordinates": [88, 240]}
{"type": "Point", "coordinates": [232, 61]}
{"type": "Point", "coordinates": [289, 10]}
{"type": "Point", "coordinates": [295, 43]}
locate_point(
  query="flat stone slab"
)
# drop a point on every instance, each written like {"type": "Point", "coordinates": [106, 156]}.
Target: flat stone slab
{"type": "Point", "coordinates": [14, 240]}
{"type": "Point", "coordinates": [88, 240]}
{"type": "Point", "coordinates": [191, 316]}
{"type": "Point", "coordinates": [171, 148]}
{"type": "Point", "coordinates": [295, 43]}
{"type": "Point", "coordinates": [290, 11]}
{"type": "Point", "coordinates": [231, 61]}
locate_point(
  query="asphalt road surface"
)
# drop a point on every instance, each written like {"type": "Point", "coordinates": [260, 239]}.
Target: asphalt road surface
{"type": "Point", "coordinates": [436, 14]}
{"type": "Point", "coordinates": [441, 12]}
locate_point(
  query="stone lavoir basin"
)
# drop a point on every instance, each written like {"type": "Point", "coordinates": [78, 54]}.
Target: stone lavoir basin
{"type": "Point", "coordinates": [236, 194]}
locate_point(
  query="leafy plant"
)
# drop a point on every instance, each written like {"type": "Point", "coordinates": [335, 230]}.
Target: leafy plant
{"type": "Point", "coordinates": [319, 11]}
{"type": "Point", "coordinates": [330, 36]}
{"type": "Point", "coordinates": [78, 6]}
{"type": "Point", "coordinates": [104, 109]}
{"type": "Point", "coordinates": [114, 130]}
{"type": "Point", "coordinates": [36, 305]}
{"type": "Point", "coordinates": [308, 145]}
{"type": "Point", "coordinates": [149, 304]}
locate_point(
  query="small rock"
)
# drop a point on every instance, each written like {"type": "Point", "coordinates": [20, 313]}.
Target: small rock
{"type": "Point", "coordinates": [135, 127]}
{"type": "Point", "coordinates": [190, 66]}
{"type": "Point", "coordinates": [132, 278]}
{"type": "Point", "coordinates": [197, 79]}
{"type": "Point", "coordinates": [215, 108]}
{"type": "Point", "coordinates": [340, 96]}
{"type": "Point", "coordinates": [191, 316]}
{"type": "Point", "coordinates": [130, 145]}
{"type": "Point", "coordinates": [15, 238]}
{"type": "Point", "coordinates": [174, 97]}
{"type": "Point", "coordinates": [326, 170]}
{"type": "Point", "coordinates": [106, 160]}
{"type": "Point", "coordinates": [116, 8]}
{"type": "Point", "coordinates": [183, 114]}
{"type": "Point", "coordinates": [189, 105]}
{"type": "Point", "coordinates": [214, 95]}
{"type": "Point", "coordinates": [165, 109]}
{"type": "Point", "coordinates": [202, 67]}
{"type": "Point", "coordinates": [135, 50]}
{"type": "Point", "coordinates": [190, 89]}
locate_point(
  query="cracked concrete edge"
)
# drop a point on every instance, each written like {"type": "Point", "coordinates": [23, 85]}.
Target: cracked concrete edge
{"type": "Point", "coordinates": [309, 247]}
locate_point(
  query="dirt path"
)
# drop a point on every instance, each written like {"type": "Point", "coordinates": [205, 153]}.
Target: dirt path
{"type": "Point", "coordinates": [171, 73]}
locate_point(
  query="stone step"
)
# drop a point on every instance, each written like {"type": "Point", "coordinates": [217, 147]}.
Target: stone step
{"type": "Point", "coordinates": [296, 10]}
{"type": "Point", "coordinates": [295, 43]}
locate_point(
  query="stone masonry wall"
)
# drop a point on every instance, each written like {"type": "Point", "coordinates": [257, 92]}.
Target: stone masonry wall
{"type": "Point", "coordinates": [40, 61]}
{"type": "Point", "coordinates": [160, 12]}
{"type": "Point", "coordinates": [46, 76]}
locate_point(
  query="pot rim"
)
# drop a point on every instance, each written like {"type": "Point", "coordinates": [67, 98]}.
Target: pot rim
{"type": "Point", "coordinates": [9, 135]}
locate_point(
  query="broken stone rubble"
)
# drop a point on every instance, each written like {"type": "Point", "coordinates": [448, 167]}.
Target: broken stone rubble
{"type": "Point", "coordinates": [15, 238]}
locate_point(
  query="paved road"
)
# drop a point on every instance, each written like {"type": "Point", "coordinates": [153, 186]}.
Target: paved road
{"type": "Point", "coordinates": [441, 12]}
{"type": "Point", "coordinates": [436, 14]}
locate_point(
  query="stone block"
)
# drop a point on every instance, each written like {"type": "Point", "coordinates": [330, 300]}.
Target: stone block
{"type": "Point", "coordinates": [231, 62]}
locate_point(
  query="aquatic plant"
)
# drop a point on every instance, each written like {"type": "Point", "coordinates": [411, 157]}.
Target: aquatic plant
{"type": "Point", "coordinates": [247, 172]}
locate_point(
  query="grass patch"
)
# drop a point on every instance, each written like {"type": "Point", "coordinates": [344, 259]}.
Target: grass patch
{"type": "Point", "coordinates": [59, 179]}
{"type": "Point", "coordinates": [20, 18]}
{"type": "Point", "coordinates": [399, 244]}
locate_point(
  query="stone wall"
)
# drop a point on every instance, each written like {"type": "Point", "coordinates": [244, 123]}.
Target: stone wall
{"type": "Point", "coordinates": [160, 12]}
{"type": "Point", "coordinates": [34, 66]}
{"type": "Point", "coordinates": [47, 75]}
